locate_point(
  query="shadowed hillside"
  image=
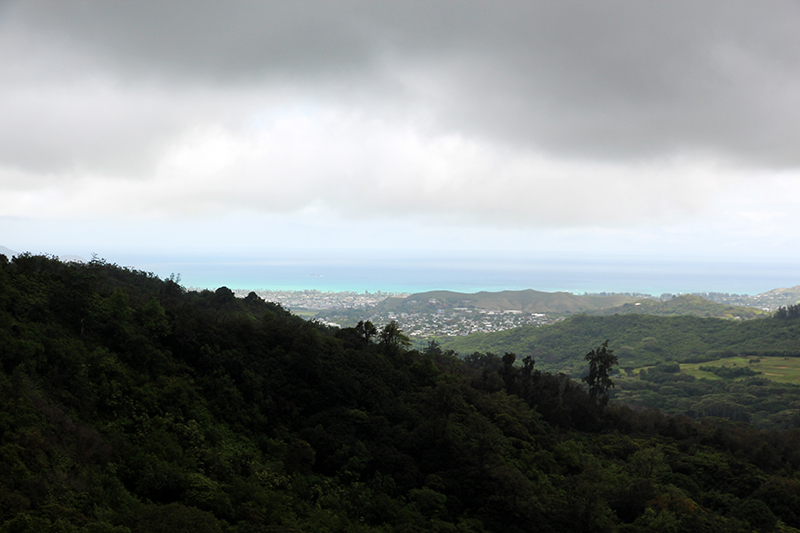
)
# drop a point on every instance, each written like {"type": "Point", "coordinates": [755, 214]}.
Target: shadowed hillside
{"type": "Point", "coordinates": [130, 405]}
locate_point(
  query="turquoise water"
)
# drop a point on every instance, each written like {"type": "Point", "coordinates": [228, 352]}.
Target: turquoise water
{"type": "Point", "coordinates": [471, 273]}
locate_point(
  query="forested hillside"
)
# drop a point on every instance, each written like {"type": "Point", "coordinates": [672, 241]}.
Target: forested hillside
{"type": "Point", "coordinates": [683, 305]}
{"type": "Point", "coordinates": [639, 340]}
{"type": "Point", "coordinates": [128, 404]}
{"type": "Point", "coordinates": [530, 301]}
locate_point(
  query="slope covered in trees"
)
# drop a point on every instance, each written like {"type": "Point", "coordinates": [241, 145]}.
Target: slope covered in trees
{"type": "Point", "coordinates": [683, 305]}
{"type": "Point", "coordinates": [639, 340]}
{"type": "Point", "coordinates": [530, 301]}
{"type": "Point", "coordinates": [130, 405]}
{"type": "Point", "coordinates": [564, 304]}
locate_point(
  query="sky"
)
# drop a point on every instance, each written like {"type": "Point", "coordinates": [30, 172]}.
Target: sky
{"type": "Point", "coordinates": [658, 130]}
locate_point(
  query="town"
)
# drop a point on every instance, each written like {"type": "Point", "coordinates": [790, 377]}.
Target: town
{"type": "Point", "coordinates": [314, 300]}
{"type": "Point", "coordinates": [461, 321]}
{"type": "Point", "coordinates": [346, 308]}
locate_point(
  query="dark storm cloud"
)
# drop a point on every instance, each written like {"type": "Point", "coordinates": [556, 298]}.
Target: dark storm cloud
{"type": "Point", "coordinates": [599, 80]}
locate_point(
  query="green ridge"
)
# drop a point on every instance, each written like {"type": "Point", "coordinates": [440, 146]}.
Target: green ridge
{"type": "Point", "coordinates": [129, 405]}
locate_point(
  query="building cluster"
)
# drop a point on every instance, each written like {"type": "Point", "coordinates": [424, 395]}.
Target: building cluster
{"type": "Point", "coordinates": [315, 300]}
{"type": "Point", "coordinates": [460, 321]}
{"type": "Point", "coordinates": [337, 310]}
{"type": "Point", "coordinates": [346, 308]}
{"type": "Point", "coordinates": [768, 301]}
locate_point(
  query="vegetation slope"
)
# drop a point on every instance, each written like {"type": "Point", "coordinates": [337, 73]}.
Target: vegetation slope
{"type": "Point", "coordinates": [639, 340]}
{"type": "Point", "coordinates": [529, 301]}
{"type": "Point", "coordinates": [564, 304]}
{"type": "Point", "coordinates": [683, 305]}
{"type": "Point", "coordinates": [130, 405]}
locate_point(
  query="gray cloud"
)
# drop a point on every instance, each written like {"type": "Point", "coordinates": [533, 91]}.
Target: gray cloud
{"type": "Point", "coordinates": [565, 114]}
{"type": "Point", "coordinates": [587, 79]}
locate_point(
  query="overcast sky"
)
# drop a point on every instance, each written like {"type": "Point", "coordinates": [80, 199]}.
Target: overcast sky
{"type": "Point", "coordinates": [656, 128]}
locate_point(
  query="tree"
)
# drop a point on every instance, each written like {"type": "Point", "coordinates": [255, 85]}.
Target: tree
{"type": "Point", "coordinates": [433, 348]}
{"type": "Point", "coordinates": [392, 337]}
{"type": "Point", "coordinates": [527, 376]}
{"type": "Point", "coordinates": [601, 360]}
{"type": "Point", "coordinates": [508, 371]}
{"type": "Point", "coordinates": [366, 329]}
{"type": "Point", "coordinates": [788, 312]}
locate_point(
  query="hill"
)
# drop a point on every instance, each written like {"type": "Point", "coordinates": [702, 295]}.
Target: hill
{"type": "Point", "coordinates": [563, 304]}
{"type": "Point", "coordinates": [781, 297]}
{"type": "Point", "coordinates": [639, 340]}
{"type": "Point", "coordinates": [128, 404]}
{"type": "Point", "coordinates": [683, 305]}
{"type": "Point", "coordinates": [529, 301]}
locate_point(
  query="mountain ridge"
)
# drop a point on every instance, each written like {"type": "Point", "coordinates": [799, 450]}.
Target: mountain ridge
{"type": "Point", "coordinates": [528, 300]}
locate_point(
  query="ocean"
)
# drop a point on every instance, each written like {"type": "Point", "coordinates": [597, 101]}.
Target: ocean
{"type": "Point", "coordinates": [471, 273]}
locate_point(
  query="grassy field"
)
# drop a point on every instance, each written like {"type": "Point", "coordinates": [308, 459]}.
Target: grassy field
{"type": "Point", "coordinates": [781, 369]}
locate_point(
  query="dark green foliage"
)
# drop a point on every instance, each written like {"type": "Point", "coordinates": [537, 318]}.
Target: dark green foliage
{"type": "Point", "coordinates": [765, 403]}
{"type": "Point", "coordinates": [601, 364]}
{"type": "Point", "coordinates": [366, 329]}
{"type": "Point", "coordinates": [667, 368]}
{"type": "Point", "coordinates": [789, 312]}
{"type": "Point", "coordinates": [392, 339]}
{"type": "Point", "coordinates": [638, 340]}
{"type": "Point", "coordinates": [130, 405]}
{"type": "Point", "coordinates": [730, 372]}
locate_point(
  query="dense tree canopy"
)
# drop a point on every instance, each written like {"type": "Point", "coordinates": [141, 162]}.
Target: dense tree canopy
{"type": "Point", "coordinates": [601, 364]}
{"type": "Point", "coordinates": [128, 404]}
{"type": "Point", "coordinates": [641, 340]}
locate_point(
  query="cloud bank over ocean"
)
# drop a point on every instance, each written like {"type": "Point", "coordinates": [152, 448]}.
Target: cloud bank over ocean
{"type": "Point", "coordinates": [660, 129]}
